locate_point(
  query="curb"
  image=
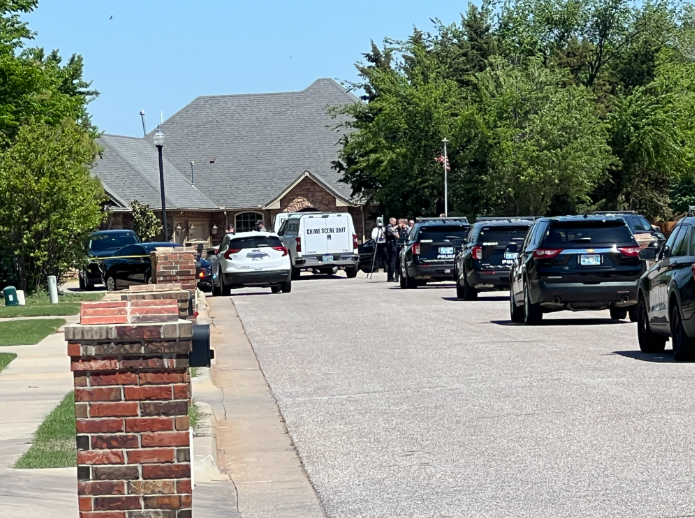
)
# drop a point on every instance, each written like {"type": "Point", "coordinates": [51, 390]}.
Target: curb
{"type": "Point", "coordinates": [205, 448]}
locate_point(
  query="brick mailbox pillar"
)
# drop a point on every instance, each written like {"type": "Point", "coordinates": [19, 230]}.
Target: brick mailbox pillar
{"type": "Point", "coordinates": [174, 265]}
{"type": "Point", "coordinates": [132, 393]}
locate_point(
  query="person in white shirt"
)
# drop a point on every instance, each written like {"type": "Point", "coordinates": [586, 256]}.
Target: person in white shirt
{"type": "Point", "coordinates": [379, 237]}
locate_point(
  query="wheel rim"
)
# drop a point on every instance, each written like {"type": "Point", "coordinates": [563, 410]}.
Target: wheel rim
{"type": "Point", "coordinates": [642, 321]}
{"type": "Point", "coordinates": [110, 284]}
{"type": "Point", "coordinates": [527, 303]}
{"type": "Point", "coordinates": [675, 330]}
{"type": "Point", "coordinates": [512, 307]}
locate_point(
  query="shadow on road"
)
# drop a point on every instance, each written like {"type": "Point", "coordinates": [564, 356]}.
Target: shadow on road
{"type": "Point", "coordinates": [566, 322]}
{"type": "Point", "coordinates": [663, 357]}
{"type": "Point", "coordinates": [479, 299]}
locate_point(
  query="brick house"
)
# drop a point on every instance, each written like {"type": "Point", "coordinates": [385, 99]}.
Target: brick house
{"type": "Point", "coordinates": [234, 159]}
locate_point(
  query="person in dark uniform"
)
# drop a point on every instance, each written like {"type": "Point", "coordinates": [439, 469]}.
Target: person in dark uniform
{"type": "Point", "coordinates": [403, 232]}
{"type": "Point", "coordinates": [391, 236]}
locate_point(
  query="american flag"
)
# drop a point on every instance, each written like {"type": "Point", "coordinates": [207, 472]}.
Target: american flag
{"type": "Point", "coordinates": [441, 160]}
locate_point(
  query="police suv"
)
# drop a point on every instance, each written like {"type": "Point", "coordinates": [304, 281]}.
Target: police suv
{"type": "Point", "coordinates": [321, 242]}
{"type": "Point", "coordinates": [491, 248]}
{"type": "Point", "coordinates": [666, 294]}
{"type": "Point", "coordinates": [429, 253]}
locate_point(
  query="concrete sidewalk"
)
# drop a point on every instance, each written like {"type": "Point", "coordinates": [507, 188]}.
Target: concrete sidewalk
{"type": "Point", "coordinates": [30, 387]}
{"type": "Point", "coordinates": [256, 449]}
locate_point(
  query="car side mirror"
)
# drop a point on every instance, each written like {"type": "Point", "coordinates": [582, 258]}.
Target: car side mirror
{"type": "Point", "coordinates": [513, 248]}
{"type": "Point", "coordinates": [647, 254]}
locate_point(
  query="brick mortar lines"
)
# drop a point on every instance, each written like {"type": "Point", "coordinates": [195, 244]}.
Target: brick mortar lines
{"type": "Point", "coordinates": [131, 416]}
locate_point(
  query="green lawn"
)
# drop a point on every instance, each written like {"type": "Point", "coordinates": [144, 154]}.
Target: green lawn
{"type": "Point", "coordinates": [5, 359]}
{"type": "Point", "coordinates": [39, 305]}
{"type": "Point", "coordinates": [28, 332]}
{"type": "Point", "coordinates": [54, 440]}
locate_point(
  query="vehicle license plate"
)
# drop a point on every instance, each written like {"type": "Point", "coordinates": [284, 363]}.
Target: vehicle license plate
{"type": "Point", "coordinates": [590, 260]}
{"type": "Point", "coordinates": [446, 250]}
{"type": "Point", "coordinates": [447, 271]}
{"type": "Point", "coordinates": [510, 256]}
{"type": "Point", "coordinates": [327, 258]}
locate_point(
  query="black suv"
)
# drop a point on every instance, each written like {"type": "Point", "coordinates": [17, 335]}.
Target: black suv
{"type": "Point", "coordinates": [667, 294]}
{"type": "Point", "coordinates": [641, 228]}
{"type": "Point", "coordinates": [428, 254]}
{"type": "Point", "coordinates": [483, 264]}
{"type": "Point", "coordinates": [103, 244]}
{"type": "Point", "coordinates": [575, 263]}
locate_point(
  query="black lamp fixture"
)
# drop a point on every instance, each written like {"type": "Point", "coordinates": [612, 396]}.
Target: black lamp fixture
{"type": "Point", "coordinates": [159, 142]}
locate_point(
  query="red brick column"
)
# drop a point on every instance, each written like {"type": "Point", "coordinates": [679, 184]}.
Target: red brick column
{"type": "Point", "coordinates": [132, 393]}
{"type": "Point", "coordinates": [174, 265]}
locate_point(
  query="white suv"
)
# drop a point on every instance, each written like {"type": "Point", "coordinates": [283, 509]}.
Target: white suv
{"type": "Point", "coordinates": [251, 259]}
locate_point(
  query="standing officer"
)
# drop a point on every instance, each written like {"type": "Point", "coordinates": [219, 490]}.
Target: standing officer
{"type": "Point", "coordinates": [392, 248]}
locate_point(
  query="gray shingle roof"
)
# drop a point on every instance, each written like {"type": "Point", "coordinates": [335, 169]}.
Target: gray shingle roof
{"type": "Point", "coordinates": [129, 169]}
{"type": "Point", "coordinates": [261, 143]}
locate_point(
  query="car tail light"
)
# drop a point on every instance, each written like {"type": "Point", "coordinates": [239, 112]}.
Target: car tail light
{"type": "Point", "coordinates": [692, 269]}
{"type": "Point", "coordinates": [201, 274]}
{"type": "Point", "coordinates": [281, 249]}
{"type": "Point", "coordinates": [231, 251]}
{"type": "Point", "coordinates": [355, 244]}
{"type": "Point", "coordinates": [299, 243]}
{"type": "Point", "coordinates": [416, 249]}
{"type": "Point", "coordinates": [477, 252]}
{"type": "Point", "coordinates": [544, 253]}
{"type": "Point", "coordinates": [632, 251]}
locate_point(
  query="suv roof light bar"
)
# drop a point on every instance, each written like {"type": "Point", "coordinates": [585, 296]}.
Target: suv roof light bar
{"type": "Point", "coordinates": [506, 218]}
{"type": "Point", "coordinates": [443, 219]}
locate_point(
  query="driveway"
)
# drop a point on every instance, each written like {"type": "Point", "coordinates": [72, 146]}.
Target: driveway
{"type": "Point", "coordinates": [414, 404]}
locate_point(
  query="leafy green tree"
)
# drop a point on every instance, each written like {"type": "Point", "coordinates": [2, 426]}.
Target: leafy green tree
{"type": "Point", "coordinates": [35, 85]}
{"type": "Point", "coordinates": [146, 224]}
{"type": "Point", "coordinates": [49, 202]}
{"type": "Point", "coordinates": [545, 140]}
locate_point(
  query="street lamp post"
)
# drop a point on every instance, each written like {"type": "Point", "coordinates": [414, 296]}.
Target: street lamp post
{"type": "Point", "coordinates": [446, 181]}
{"type": "Point", "coordinates": [159, 142]}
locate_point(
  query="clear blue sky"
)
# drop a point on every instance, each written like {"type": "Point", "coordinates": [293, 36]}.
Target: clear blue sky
{"type": "Point", "coordinates": [159, 55]}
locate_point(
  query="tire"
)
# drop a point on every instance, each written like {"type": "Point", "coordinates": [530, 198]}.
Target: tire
{"type": "Point", "coordinates": [533, 314]}
{"type": "Point", "coordinates": [351, 272]}
{"type": "Point", "coordinates": [216, 289]}
{"type": "Point", "coordinates": [296, 272]}
{"type": "Point", "coordinates": [406, 282]}
{"type": "Point", "coordinates": [82, 284]}
{"type": "Point", "coordinates": [110, 283]}
{"type": "Point", "coordinates": [516, 313]}
{"type": "Point", "coordinates": [276, 289]}
{"type": "Point", "coordinates": [224, 289]}
{"type": "Point", "coordinates": [649, 342]}
{"type": "Point", "coordinates": [633, 313]}
{"type": "Point", "coordinates": [468, 292]}
{"type": "Point", "coordinates": [460, 292]}
{"type": "Point", "coordinates": [618, 313]}
{"type": "Point", "coordinates": [287, 287]}
{"type": "Point", "coordinates": [683, 345]}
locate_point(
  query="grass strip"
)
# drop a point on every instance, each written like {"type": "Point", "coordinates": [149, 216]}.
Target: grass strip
{"type": "Point", "coordinates": [28, 332]}
{"type": "Point", "coordinates": [39, 305]}
{"type": "Point", "coordinates": [54, 440]}
{"type": "Point", "coordinates": [5, 359]}
{"type": "Point", "coordinates": [194, 416]}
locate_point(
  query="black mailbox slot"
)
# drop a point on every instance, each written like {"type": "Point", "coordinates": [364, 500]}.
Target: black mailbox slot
{"type": "Point", "coordinates": [201, 354]}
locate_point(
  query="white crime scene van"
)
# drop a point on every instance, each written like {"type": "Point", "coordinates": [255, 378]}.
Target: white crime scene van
{"type": "Point", "coordinates": [321, 241]}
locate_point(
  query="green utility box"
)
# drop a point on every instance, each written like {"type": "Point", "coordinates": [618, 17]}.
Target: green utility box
{"type": "Point", "coordinates": [10, 294]}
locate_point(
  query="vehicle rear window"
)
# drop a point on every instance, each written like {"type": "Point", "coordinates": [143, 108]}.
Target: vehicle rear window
{"type": "Point", "coordinates": [102, 242]}
{"type": "Point", "coordinates": [588, 233]}
{"type": "Point", "coordinates": [502, 235]}
{"type": "Point", "coordinates": [255, 242]}
{"type": "Point", "coordinates": [444, 234]}
{"type": "Point", "coordinates": [638, 224]}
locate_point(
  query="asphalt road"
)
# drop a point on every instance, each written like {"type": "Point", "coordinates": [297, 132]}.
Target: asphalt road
{"type": "Point", "coordinates": [413, 404]}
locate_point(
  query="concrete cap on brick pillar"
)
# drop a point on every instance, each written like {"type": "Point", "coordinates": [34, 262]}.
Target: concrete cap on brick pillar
{"type": "Point", "coordinates": [132, 394]}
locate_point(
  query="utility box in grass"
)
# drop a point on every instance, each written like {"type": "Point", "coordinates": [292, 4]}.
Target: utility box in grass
{"type": "Point", "coordinates": [10, 294]}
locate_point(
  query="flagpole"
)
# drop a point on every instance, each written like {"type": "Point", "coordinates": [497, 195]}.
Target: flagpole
{"type": "Point", "coordinates": [446, 181]}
